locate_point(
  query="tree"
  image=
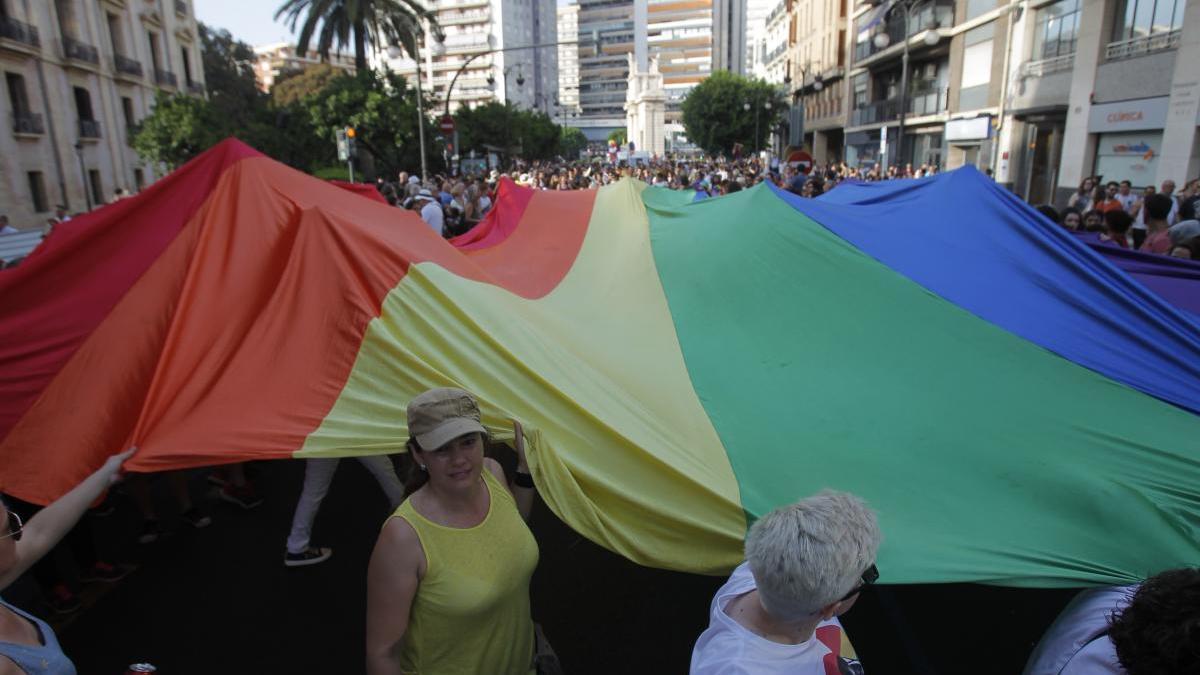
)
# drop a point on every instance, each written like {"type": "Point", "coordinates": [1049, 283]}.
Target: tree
{"type": "Point", "coordinates": [179, 128]}
{"type": "Point", "coordinates": [715, 118]}
{"type": "Point", "coordinates": [383, 110]}
{"type": "Point", "coordinates": [338, 23]}
{"type": "Point", "coordinates": [618, 135]}
{"type": "Point", "coordinates": [297, 86]}
{"type": "Point", "coordinates": [229, 75]}
{"type": "Point", "coordinates": [531, 134]}
{"type": "Point", "coordinates": [571, 143]}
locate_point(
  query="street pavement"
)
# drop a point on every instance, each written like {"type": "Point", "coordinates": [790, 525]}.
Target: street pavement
{"type": "Point", "coordinates": [219, 600]}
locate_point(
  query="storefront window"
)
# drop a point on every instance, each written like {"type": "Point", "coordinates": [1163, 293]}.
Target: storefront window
{"type": "Point", "coordinates": [1057, 28]}
{"type": "Point", "coordinates": [1143, 18]}
{"type": "Point", "coordinates": [1131, 156]}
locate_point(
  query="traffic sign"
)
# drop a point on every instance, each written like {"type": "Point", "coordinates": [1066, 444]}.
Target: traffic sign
{"type": "Point", "coordinates": [446, 124]}
{"type": "Point", "coordinates": [801, 160]}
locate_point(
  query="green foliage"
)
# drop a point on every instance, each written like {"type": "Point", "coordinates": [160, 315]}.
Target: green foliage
{"type": "Point", "coordinates": [229, 76]}
{"type": "Point", "coordinates": [571, 142]}
{"type": "Point", "coordinates": [503, 126]}
{"type": "Point", "coordinates": [179, 128]}
{"type": "Point", "coordinates": [383, 110]}
{"type": "Point", "coordinates": [340, 172]}
{"type": "Point", "coordinates": [621, 136]}
{"type": "Point", "coordinates": [339, 23]}
{"type": "Point", "coordinates": [297, 86]}
{"type": "Point", "coordinates": [715, 119]}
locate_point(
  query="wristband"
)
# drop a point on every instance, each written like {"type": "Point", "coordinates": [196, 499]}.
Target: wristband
{"type": "Point", "coordinates": [523, 480]}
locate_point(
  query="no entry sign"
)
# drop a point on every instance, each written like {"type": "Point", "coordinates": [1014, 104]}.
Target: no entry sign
{"type": "Point", "coordinates": [446, 124]}
{"type": "Point", "coordinates": [801, 160]}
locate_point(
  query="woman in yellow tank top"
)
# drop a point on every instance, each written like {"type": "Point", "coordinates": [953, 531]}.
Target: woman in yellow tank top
{"type": "Point", "coordinates": [448, 583]}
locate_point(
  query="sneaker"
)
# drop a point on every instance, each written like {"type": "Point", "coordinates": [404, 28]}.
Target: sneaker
{"type": "Point", "coordinates": [310, 556]}
{"type": "Point", "coordinates": [102, 571]}
{"type": "Point", "coordinates": [243, 496]}
{"type": "Point", "coordinates": [151, 531]}
{"type": "Point", "coordinates": [196, 518]}
{"type": "Point", "coordinates": [62, 600]}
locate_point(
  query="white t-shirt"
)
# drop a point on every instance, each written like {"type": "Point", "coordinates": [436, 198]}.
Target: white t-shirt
{"type": "Point", "coordinates": [728, 648]}
{"type": "Point", "coordinates": [432, 214]}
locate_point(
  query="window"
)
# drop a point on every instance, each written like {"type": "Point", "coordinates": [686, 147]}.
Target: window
{"type": "Point", "coordinates": [37, 192]}
{"type": "Point", "coordinates": [127, 109]}
{"type": "Point", "coordinates": [155, 59]}
{"type": "Point", "coordinates": [66, 17]}
{"type": "Point", "coordinates": [17, 96]}
{"type": "Point", "coordinates": [115, 34]}
{"type": "Point", "coordinates": [976, 68]}
{"type": "Point", "coordinates": [83, 104]}
{"type": "Point", "coordinates": [1143, 18]}
{"type": "Point", "coordinates": [139, 179]}
{"type": "Point", "coordinates": [97, 187]}
{"type": "Point", "coordinates": [1057, 30]}
{"type": "Point", "coordinates": [187, 64]}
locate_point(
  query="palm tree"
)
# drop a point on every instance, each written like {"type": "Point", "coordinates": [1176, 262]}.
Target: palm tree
{"type": "Point", "coordinates": [371, 22]}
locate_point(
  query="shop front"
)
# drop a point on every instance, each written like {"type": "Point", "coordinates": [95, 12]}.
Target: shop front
{"type": "Point", "coordinates": [1128, 139]}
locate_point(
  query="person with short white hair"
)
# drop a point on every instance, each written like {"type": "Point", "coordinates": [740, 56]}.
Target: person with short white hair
{"type": "Point", "coordinates": [806, 564]}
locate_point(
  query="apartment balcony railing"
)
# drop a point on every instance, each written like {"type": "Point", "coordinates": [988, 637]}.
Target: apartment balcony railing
{"type": "Point", "coordinates": [181, 8]}
{"type": "Point", "coordinates": [464, 17]}
{"type": "Point", "coordinates": [1142, 45]}
{"type": "Point", "coordinates": [17, 31]}
{"type": "Point", "coordinates": [127, 66]}
{"type": "Point", "coordinates": [1044, 67]}
{"type": "Point", "coordinates": [89, 128]}
{"type": "Point", "coordinates": [80, 51]}
{"type": "Point", "coordinates": [931, 15]}
{"type": "Point", "coordinates": [165, 78]}
{"type": "Point", "coordinates": [195, 88]}
{"type": "Point", "coordinates": [28, 123]}
{"type": "Point", "coordinates": [921, 101]}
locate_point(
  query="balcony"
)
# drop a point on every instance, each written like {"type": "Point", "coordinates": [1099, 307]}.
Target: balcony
{"type": "Point", "coordinates": [463, 18]}
{"type": "Point", "coordinates": [1142, 45]}
{"type": "Point", "coordinates": [89, 129]}
{"type": "Point", "coordinates": [165, 78]}
{"type": "Point", "coordinates": [1045, 67]}
{"type": "Point", "coordinates": [20, 33]}
{"type": "Point", "coordinates": [127, 66]}
{"type": "Point", "coordinates": [28, 124]}
{"type": "Point", "coordinates": [195, 88]}
{"type": "Point", "coordinates": [181, 8]}
{"type": "Point", "coordinates": [934, 15]}
{"type": "Point", "coordinates": [923, 100]}
{"type": "Point", "coordinates": [81, 52]}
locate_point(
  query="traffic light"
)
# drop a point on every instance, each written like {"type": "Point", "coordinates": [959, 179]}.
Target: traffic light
{"type": "Point", "coordinates": [350, 146]}
{"type": "Point", "coordinates": [343, 145]}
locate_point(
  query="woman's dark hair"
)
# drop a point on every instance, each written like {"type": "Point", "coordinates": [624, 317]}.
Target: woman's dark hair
{"type": "Point", "coordinates": [1159, 632]}
{"type": "Point", "coordinates": [1048, 211]}
{"type": "Point", "coordinates": [1116, 220]}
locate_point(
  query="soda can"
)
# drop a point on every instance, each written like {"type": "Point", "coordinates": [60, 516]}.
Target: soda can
{"type": "Point", "coordinates": [137, 668]}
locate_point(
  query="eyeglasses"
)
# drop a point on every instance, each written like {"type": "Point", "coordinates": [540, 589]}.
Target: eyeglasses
{"type": "Point", "coordinates": [14, 527]}
{"type": "Point", "coordinates": [870, 576]}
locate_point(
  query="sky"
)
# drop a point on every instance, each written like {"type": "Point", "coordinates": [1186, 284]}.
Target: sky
{"type": "Point", "coordinates": [250, 21]}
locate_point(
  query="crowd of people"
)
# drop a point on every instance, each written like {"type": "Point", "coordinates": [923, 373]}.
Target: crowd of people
{"type": "Point", "coordinates": [1160, 221]}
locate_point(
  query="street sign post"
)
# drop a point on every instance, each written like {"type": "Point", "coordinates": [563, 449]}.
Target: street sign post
{"type": "Point", "coordinates": [801, 160]}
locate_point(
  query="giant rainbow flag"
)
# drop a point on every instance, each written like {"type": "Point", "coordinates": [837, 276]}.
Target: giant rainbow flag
{"type": "Point", "coordinates": [1017, 409]}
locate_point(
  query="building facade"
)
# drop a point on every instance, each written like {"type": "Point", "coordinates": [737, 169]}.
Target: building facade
{"type": "Point", "coordinates": [816, 68]}
{"type": "Point", "coordinates": [275, 60]}
{"type": "Point", "coordinates": [568, 63]}
{"type": "Point", "coordinates": [475, 33]}
{"type": "Point", "coordinates": [78, 74]}
{"type": "Point", "coordinates": [1107, 88]}
{"type": "Point", "coordinates": [606, 38]}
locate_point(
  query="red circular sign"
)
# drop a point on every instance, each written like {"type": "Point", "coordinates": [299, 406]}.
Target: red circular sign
{"type": "Point", "coordinates": [800, 160]}
{"type": "Point", "coordinates": [446, 124]}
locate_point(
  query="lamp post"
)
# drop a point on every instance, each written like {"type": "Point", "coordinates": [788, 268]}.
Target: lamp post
{"type": "Point", "coordinates": [881, 41]}
{"type": "Point", "coordinates": [394, 51]}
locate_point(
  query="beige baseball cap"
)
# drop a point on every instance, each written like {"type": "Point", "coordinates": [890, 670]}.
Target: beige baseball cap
{"type": "Point", "coordinates": [439, 416]}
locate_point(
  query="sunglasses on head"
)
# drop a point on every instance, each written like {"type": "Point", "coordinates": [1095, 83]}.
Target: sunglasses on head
{"type": "Point", "coordinates": [870, 576]}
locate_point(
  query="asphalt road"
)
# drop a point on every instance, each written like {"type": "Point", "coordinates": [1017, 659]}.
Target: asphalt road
{"type": "Point", "coordinates": [219, 600]}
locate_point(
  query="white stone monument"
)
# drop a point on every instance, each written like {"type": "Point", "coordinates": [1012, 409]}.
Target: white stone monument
{"type": "Point", "coordinates": [645, 108]}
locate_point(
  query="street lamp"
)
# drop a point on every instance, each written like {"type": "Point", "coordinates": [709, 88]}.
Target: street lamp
{"type": "Point", "coordinates": [394, 51]}
{"type": "Point", "coordinates": [882, 40]}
